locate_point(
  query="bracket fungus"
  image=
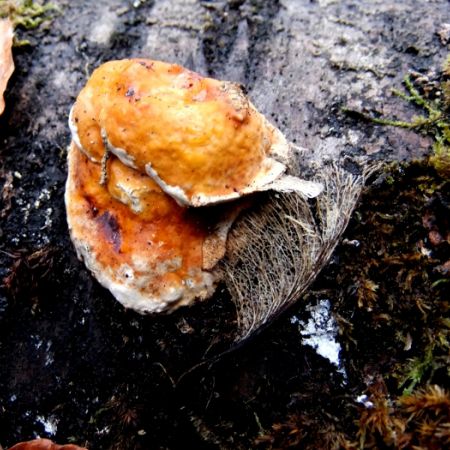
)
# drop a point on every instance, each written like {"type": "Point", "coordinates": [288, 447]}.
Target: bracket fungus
{"type": "Point", "coordinates": [151, 253]}
{"type": "Point", "coordinates": [159, 159]}
{"type": "Point", "coordinates": [201, 140]}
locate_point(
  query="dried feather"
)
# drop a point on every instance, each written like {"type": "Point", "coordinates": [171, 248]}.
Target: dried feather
{"type": "Point", "coordinates": [276, 251]}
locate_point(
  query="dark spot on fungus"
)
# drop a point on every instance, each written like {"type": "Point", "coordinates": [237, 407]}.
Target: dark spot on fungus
{"type": "Point", "coordinates": [91, 202]}
{"type": "Point", "coordinates": [110, 227]}
{"type": "Point", "coordinates": [147, 65]}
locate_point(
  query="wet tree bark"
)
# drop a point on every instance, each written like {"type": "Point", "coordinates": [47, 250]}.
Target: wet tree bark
{"type": "Point", "coordinates": [68, 352]}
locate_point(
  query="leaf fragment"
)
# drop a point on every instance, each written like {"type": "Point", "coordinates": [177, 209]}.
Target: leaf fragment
{"type": "Point", "coordinates": [6, 59]}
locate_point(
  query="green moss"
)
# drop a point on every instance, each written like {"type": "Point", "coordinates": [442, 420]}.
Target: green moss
{"type": "Point", "coordinates": [417, 369]}
{"type": "Point", "coordinates": [434, 119]}
{"type": "Point", "coordinates": [26, 14]}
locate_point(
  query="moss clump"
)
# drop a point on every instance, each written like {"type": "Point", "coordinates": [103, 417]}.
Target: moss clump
{"type": "Point", "coordinates": [299, 431]}
{"type": "Point", "coordinates": [403, 228]}
{"type": "Point", "coordinates": [26, 14]}
{"type": "Point", "coordinates": [441, 146]}
{"type": "Point", "coordinates": [420, 420]}
{"type": "Point", "coordinates": [388, 284]}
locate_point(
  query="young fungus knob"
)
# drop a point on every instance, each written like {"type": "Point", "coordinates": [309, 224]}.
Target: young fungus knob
{"type": "Point", "coordinates": [44, 444]}
{"type": "Point", "coordinates": [152, 254]}
{"type": "Point", "coordinates": [201, 140]}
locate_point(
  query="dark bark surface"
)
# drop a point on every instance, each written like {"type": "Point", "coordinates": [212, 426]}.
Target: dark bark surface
{"type": "Point", "coordinates": [74, 365]}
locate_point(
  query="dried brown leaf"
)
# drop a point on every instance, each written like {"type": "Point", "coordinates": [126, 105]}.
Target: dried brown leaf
{"type": "Point", "coordinates": [6, 59]}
